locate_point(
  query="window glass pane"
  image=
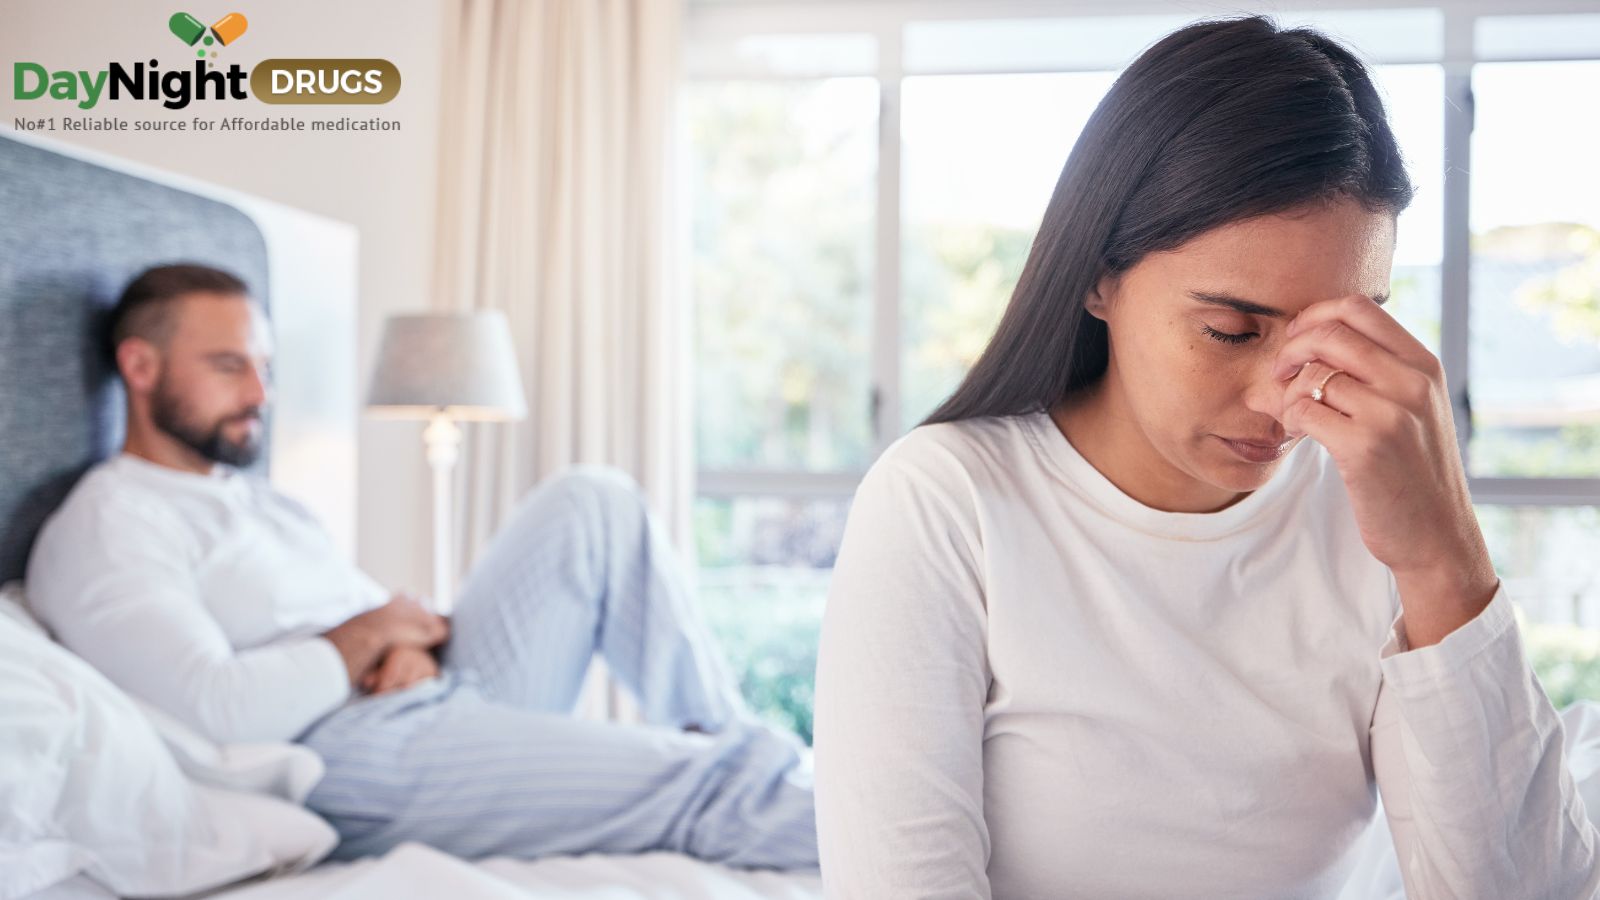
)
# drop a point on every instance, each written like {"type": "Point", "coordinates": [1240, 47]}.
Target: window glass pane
{"type": "Point", "coordinates": [1546, 557]}
{"type": "Point", "coordinates": [1011, 45]}
{"type": "Point", "coordinates": [1514, 37]}
{"type": "Point", "coordinates": [980, 162]}
{"type": "Point", "coordinates": [782, 191]}
{"type": "Point", "coordinates": [1377, 35]}
{"type": "Point", "coordinates": [764, 567]}
{"type": "Point", "coordinates": [810, 55]}
{"type": "Point", "coordinates": [1535, 322]}
{"type": "Point", "coordinates": [1086, 43]}
{"type": "Point", "coordinates": [1414, 98]}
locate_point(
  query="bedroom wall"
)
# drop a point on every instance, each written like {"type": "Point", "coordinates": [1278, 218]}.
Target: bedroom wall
{"type": "Point", "coordinates": [383, 183]}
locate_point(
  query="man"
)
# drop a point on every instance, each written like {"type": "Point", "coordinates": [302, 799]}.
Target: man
{"type": "Point", "coordinates": [210, 595]}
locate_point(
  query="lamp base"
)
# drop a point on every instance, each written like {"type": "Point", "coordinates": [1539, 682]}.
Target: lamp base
{"type": "Point", "coordinates": [443, 439]}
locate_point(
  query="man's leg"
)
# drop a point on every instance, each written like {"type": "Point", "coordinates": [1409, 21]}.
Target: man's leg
{"type": "Point", "coordinates": [580, 565]}
{"type": "Point", "coordinates": [442, 765]}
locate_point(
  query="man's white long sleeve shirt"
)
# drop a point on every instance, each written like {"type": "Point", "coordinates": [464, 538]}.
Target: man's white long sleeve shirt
{"type": "Point", "coordinates": [203, 595]}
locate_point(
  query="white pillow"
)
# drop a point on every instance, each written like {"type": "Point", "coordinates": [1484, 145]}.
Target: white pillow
{"type": "Point", "coordinates": [78, 887]}
{"type": "Point", "coordinates": [88, 785]}
{"type": "Point", "coordinates": [14, 606]}
{"type": "Point", "coordinates": [281, 768]}
{"type": "Point", "coordinates": [36, 866]}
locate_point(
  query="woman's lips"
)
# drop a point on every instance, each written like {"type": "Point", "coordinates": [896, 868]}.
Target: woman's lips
{"type": "Point", "coordinates": [1253, 452]}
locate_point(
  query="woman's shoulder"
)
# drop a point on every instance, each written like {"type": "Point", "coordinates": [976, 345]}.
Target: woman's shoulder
{"type": "Point", "coordinates": [972, 447]}
{"type": "Point", "coordinates": [962, 464]}
{"type": "Point", "coordinates": [936, 486]}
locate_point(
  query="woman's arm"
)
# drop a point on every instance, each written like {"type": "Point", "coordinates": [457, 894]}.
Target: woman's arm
{"type": "Point", "coordinates": [902, 678]}
{"type": "Point", "coordinates": [1467, 751]}
{"type": "Point", "coordinates": [1468, 755]}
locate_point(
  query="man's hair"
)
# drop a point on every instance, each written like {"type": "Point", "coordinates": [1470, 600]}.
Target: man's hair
{"type": "Point", "coordinates": [145, 307]}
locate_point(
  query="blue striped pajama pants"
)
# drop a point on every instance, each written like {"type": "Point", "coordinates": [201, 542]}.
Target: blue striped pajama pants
{"type": "Point", "coordinates": [487, 759]}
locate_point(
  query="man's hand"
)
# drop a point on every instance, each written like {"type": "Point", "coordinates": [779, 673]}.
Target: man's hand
{"type": "Point", "coordinates": [366, 639]}
{"type": "Point", "coordinates": [401, 668]}
{"type": "Point", "coordinates": [404, 620]}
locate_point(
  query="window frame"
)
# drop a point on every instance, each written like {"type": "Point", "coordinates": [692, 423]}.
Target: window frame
{"type": "Point", "coordinates": [710, 24]}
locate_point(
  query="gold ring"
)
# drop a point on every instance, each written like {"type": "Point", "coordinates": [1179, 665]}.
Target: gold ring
{"type": "Point", "coordinates": [1317, 392]}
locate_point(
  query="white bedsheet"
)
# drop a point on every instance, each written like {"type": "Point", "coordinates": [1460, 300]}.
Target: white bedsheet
{"type": "Point", "coordinates": [416, 870]}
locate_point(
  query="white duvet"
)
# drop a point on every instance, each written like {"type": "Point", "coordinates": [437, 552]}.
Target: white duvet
{"type": "Point", "coordinates": [416, 870]}
{"type": "Point", "coordinates": [413, 870]}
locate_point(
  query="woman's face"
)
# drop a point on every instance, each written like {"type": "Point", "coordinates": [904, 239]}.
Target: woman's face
{"type": "Point", "coordinates": [1190, 368]}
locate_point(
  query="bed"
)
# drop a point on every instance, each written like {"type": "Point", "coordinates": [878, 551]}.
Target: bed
{"type": "Point", "coordinates": [87, 223]}
{"type": "Point", "coordinates": [416, 870]}
{"type": "Point", "coordinates": [78, 227]}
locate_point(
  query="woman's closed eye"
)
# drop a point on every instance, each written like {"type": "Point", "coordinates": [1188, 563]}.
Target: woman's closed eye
{"type": "Point", "coordinates": [1227, 337]}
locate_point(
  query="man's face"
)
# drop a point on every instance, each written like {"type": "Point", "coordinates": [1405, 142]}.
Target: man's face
{"type": "Point", "coordinates": [215, 378]}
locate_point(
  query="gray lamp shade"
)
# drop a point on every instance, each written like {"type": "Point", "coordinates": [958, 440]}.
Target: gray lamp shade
{"type": "Point", "coordinates": [460, 364]}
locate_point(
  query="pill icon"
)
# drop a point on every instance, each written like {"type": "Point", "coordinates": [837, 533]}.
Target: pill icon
{"type": "Point", "coordinates": [229, 27]}
{"type": "Point", "coordinates": [187, 27]}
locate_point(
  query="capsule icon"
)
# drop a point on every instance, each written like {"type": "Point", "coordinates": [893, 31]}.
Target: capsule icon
{"type": "Point", "coordinates": [187, 27]}
{"type": "Point", "coordinates": [229, 27]}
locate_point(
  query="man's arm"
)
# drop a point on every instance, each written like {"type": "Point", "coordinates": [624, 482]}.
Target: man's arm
{"type": "Point", "coordinates": [154, 639]}
{"type": "Point", "coordinates": [127, 603]}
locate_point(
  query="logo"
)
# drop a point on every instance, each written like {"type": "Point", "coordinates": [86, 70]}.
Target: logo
{"type": "Point", "coordinates": [224, 31]}
{"type": "Point", "coordinates": [294, 81]}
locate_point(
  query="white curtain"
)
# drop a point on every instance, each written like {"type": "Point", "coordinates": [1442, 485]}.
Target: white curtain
{"type": "Point", "coordinates": [555, 205]}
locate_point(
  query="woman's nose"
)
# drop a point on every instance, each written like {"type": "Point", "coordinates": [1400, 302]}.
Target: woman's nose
{"type": "Point", "coordinates": [1264, 393]}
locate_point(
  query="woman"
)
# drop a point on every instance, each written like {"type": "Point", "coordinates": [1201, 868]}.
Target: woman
{"type": "Point", "coordinates": [1188, 562]}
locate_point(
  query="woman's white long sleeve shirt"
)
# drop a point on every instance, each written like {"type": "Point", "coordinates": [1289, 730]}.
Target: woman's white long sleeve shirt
{"type": "Point", "coordinates": [1032, 685]}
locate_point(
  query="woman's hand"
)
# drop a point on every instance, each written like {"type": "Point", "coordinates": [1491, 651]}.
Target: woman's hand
{"type": "Point", "coordinates": [403, 666]}
{"type": "Point", "coordinates": [1386, 421]}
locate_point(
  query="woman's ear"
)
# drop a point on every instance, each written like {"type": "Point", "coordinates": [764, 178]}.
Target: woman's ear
{"type": "Point", "coordinates": [1100, 296]}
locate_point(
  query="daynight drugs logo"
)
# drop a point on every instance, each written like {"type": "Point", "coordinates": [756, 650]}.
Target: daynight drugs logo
{"type": "Point", "coordinates": [225, 30]}
{"type": "Point", "coordinates": [318, 81]}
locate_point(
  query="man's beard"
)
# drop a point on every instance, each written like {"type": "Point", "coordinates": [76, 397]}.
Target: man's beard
{"type": "Point", "coordinates": [170, 415]}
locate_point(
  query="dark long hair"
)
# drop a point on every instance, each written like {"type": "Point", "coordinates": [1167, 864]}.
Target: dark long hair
{"type": "Point", "coordinates": [1217, 122]}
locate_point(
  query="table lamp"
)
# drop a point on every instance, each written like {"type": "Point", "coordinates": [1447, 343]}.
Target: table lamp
{"type": "Point", "coordinates": [446, 368]}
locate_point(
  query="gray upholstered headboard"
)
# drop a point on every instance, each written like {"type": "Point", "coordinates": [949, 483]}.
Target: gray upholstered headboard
{"type": "Point", "coordinates": [72, 234]}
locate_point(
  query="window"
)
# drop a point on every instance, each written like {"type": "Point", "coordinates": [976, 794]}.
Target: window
{"type": "Point", "coordinates": [783, 176]}
{"type": "Point", "coordinates": [764, 565]}
{"type": "Point", "coordinates": [1535, 323]}
{"type": "Point", "coordinates": [979, 165]}
{"type": "Point", "coordinates": [864, 190]}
